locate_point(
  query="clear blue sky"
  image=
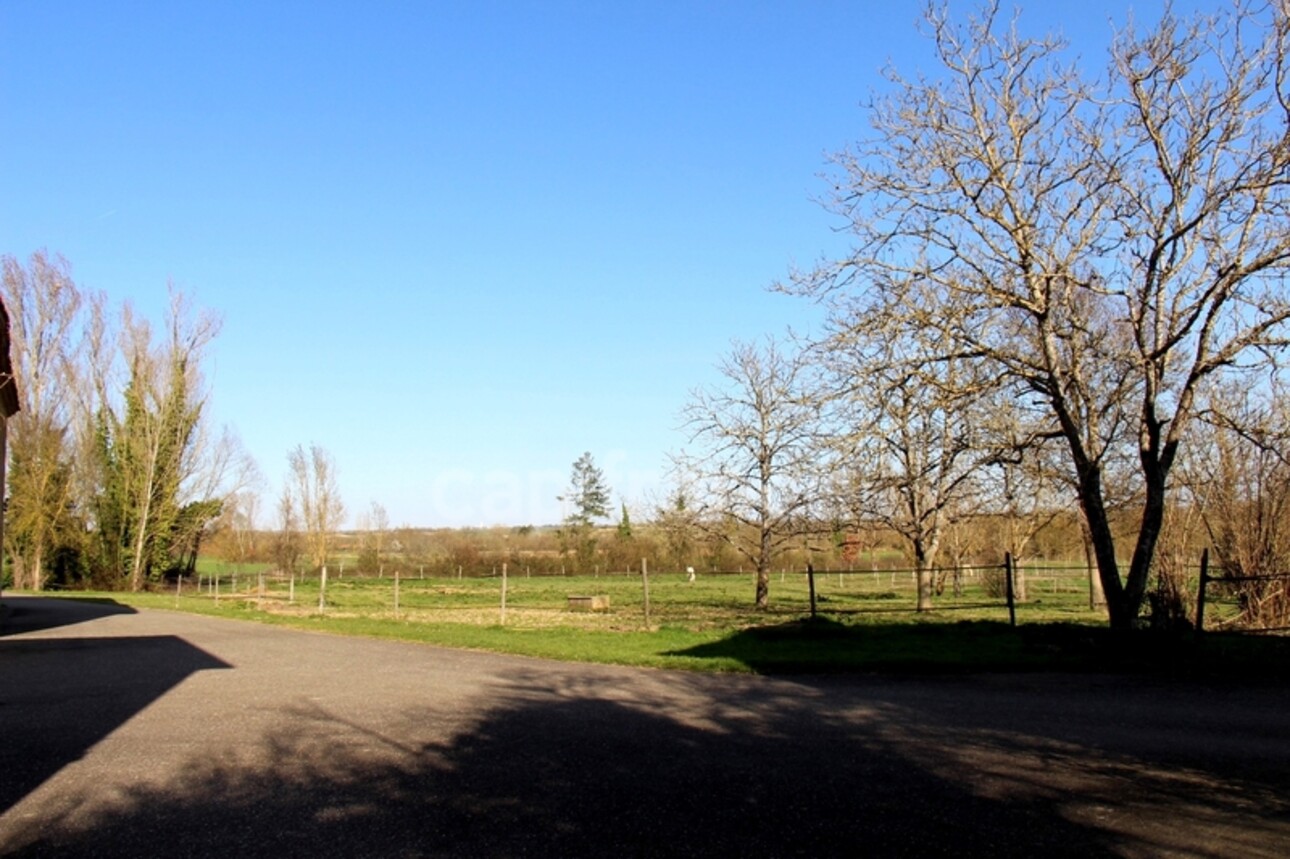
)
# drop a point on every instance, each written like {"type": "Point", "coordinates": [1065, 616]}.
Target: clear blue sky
{"type": "Point", "coordinates": [456, 244]}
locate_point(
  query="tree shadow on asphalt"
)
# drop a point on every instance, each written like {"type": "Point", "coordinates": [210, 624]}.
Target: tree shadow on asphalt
{"type": "Point", "coordinates": [561, 768]}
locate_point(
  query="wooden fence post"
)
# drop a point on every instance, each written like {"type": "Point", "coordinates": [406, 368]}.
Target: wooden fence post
{"type": "Point", "coordinates": [503, 593]}
{"type": "Point", "coordinates": [1007, 585]}
{"type": "Point", "coordinates": [322, 590]}
{"type": "Point", "coordinates": [810, 582]}
{"type": "Point", "coordinates": [645, 584]}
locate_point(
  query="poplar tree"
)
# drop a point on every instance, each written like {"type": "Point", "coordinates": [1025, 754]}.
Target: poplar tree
{"type": "Point", "coordinates": [316, 494]}
{"type": "Point", "coordinates": [146, 448]}
{"type": "Point", "coordinates": [45, 308]}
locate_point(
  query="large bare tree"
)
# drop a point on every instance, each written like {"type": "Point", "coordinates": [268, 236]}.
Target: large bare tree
{"type": "Point", "coordinates": [754, 459]}
{"type": "Point", "coordinates": [1109, 243]}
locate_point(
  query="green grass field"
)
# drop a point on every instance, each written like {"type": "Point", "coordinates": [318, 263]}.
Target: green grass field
{"type": "Point", "coordinates": [722, 601]}
{"type": "Point", "coordinates": [864, 622]}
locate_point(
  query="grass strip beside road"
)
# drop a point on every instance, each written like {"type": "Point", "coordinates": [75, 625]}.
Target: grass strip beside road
{"type": "Point", "coordinates": [788, 645]}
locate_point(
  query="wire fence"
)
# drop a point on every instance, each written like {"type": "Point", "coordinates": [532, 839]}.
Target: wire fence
{"type": "Point", "coordinates": [1039, 591]}
{"type": "Point", "coordinates": [1230, 599]}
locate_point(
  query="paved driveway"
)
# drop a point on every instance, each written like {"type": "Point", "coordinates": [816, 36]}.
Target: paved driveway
{"type": "Point", "coordinates": [129, 733]}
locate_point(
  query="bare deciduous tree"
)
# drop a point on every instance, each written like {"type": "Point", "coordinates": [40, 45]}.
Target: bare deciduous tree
{"type": "Point", "coordinates": [675, 520]}
{"type": "Point", "coordinates": [1239, 478]}
{"type": "Point", "coordinates": [286, 542]}
{"type": "Point", "coordinates": [243, 515]}
{"type": "Point", "coordinates": [219, 494]}
{"type": "Point", "coordinates": [912, 450]}
{"type": "Point", "coordinates": [315, 491]}
{"type": "Point", "coordinates": [1109, 245]}
{"type": "Point", "coordinates": [116, 469]}
{"type": "Point", "coordinates": [755, 462]}
{"type": "Point", "coordinates": [44, 308]}
{"type": "Point", "coordinates": [375, 526]}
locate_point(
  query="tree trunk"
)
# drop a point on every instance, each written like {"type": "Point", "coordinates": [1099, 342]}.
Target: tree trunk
{"type": "Point", "coordinates": [1144, 550]}
{"type": "Point", "coordinates": [1121, 610]}
{"type": "Point", "coordinates": [923, 572]}
{"type": "Point", "coordinates": [145, 515]}
{"type": "Point", "coordinates": [924, 588]}
{"type": "Point", "coordinates": [1096, 598]}
{"type": "Point", "coordinates": [763, 571]}
{"type": "Point", "coordinates": [38, 568]}
{"type": "Point", "coordinates": [136, 564]}
{"type": "Point", "coordinates": [763, 588]}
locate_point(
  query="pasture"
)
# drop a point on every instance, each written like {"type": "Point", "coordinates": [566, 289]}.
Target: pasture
{"type": "Point", "coordinates": [865, 621]}
{"type": "Point", "coordinates": [635, 602]}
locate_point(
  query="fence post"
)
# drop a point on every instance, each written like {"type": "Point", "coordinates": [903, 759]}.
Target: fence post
{"type": "Point", "coordinates": [503, 592]}
{"type": "Point", "coordinates": [396, 593]}
{"type": "Point", "coordinates": [322, 590]}
{"type": "Point", "coordinates": [645, 585]}
{"type": "Point", "coordinates": [810, 581]}
{"type": "Point", "coordinates": [1007, 586]}
{"type": "Point", "coordinates": [1200, 597]}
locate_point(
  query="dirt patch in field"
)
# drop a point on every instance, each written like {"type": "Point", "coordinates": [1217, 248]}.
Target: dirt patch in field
{"type": "Point", "coordinates": [519, 618]}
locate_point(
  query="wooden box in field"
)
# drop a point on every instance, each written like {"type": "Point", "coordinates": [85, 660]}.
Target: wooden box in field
{"type": "Point", "coordinates": [599, 602]}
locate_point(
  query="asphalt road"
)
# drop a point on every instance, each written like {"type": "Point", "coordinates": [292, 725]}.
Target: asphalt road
{"type": "Point", "coordinates": [129, 733]}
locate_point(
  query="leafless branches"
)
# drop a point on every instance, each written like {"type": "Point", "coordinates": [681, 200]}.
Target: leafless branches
{"type": "Point", "coordinates": [756, 458]}
{"type": "Point", "coordinates": [316, 496]}
{"type": "Point", "coordinates": [1108, 246]}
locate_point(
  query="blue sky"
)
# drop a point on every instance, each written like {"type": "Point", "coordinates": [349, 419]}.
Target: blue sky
{"type": "Point", "coordinates": [456, 244]}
